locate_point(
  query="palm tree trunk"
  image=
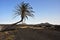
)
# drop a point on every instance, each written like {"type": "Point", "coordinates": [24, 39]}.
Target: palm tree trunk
{"type": "Point", "coordinates": [18, 21]}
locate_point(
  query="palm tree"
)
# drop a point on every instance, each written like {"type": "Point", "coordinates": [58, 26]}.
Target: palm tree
{"type": "Point", "coordinates": [24, 10]}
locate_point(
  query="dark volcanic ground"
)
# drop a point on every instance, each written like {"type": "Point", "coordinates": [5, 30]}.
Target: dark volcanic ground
{"type": "Point", "coordinates": [37, 34]}
{"type": "Point", "coordinates": [30, 34]}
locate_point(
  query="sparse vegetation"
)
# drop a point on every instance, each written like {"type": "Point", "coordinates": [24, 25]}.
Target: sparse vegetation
{"type": "Point", "coordinates": [30, 33]}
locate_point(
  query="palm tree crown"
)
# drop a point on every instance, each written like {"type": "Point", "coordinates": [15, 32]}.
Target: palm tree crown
{"type": "Point", "coordinates": [24, 10]}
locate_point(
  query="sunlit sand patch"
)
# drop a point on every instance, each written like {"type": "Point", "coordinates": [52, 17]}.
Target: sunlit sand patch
{"type": "Point", "coordinates": [32, 27]}
{"type": "Point", "coordinates": [24, 27]}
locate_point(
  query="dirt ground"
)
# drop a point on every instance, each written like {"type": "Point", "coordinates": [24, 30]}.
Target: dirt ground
{"type": "Point", "coordinates": [37, 34]}
{"type": "Point", "coordinates": [30, 34]}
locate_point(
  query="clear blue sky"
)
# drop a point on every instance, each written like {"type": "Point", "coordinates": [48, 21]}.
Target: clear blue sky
{"type": "Point", "coordinates": [45, 11]}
